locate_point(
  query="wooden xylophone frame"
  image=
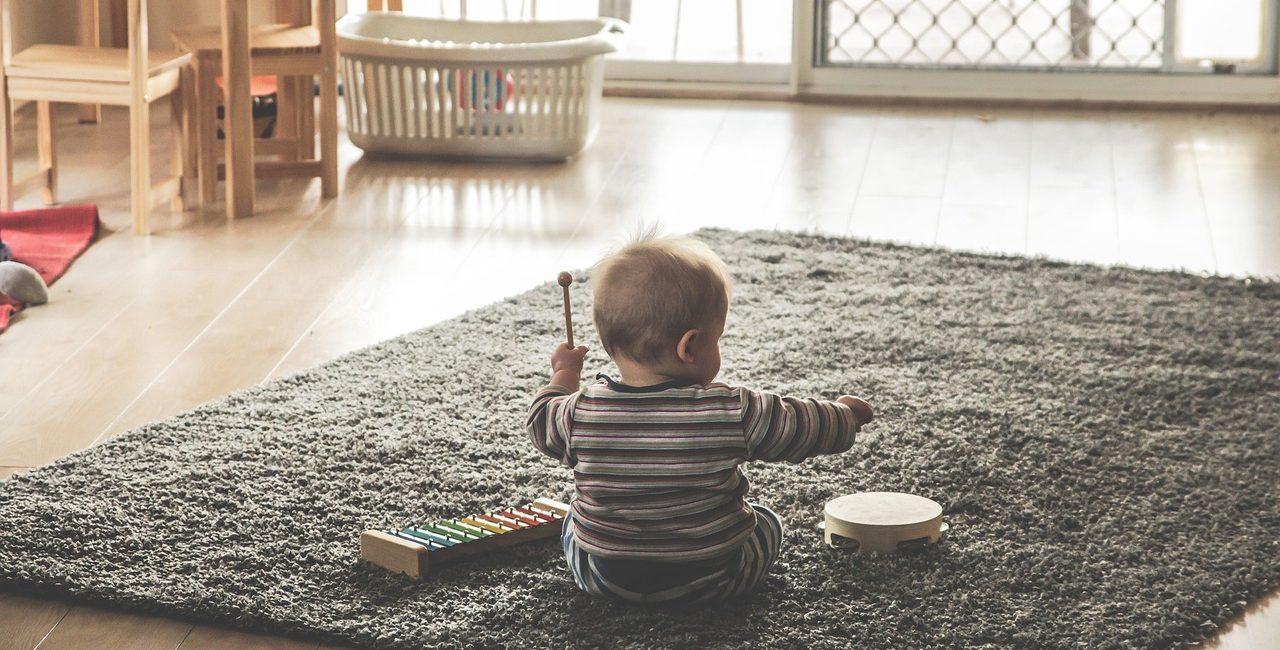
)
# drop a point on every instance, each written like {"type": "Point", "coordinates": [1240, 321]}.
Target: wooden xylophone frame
{"type": "Point", "coordinates": [413, 550]}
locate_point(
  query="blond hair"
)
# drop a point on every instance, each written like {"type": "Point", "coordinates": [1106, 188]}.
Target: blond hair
{"type": "Point", "coordinates": [652, 290]}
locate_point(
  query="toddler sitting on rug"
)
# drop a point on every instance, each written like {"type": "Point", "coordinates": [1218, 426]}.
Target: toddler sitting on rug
{"type": "Point", "coordinates": [659, 512]}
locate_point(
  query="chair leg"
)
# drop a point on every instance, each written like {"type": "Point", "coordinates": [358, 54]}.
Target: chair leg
{"type": "Point", "coordinates": [329, 132]}
{"type": "Point", "coordinates": [180, 163]}
{"type": "Point", "coordinates": [5, 143]}
{"type": "Point", "coordinates": [6, 146]}
{"type": "Point", "coordinates": [286, 113]}
{"type": "Point", "coordinates": [47, 152]}
{"type": "Point", "coordinates": [190, 147]}
{"type": "Point", "coordinates": [306, 103]}
{"type": "Point", "coordinates": [140, 162]}
{"type": "Point", "coordinates": [206, 131]}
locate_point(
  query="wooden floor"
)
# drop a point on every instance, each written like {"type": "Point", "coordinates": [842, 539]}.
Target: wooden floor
{"type": "Point", "coordinates": [143, 328]}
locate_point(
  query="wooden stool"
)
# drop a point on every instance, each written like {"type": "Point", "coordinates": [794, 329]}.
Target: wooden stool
{"type": "Point", "coordinates": [297, 54]}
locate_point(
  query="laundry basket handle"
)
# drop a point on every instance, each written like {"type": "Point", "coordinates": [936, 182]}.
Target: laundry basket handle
{"type": "Point", "coordinates": [397, 36]}
{"type": "Point", "coordinates": [613, 32]}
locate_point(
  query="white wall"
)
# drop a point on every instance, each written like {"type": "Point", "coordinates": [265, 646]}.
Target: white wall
{"type": "Point", "coordinates": [42, 21]}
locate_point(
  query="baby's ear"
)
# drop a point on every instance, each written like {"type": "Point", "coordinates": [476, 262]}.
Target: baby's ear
{"type": "Point", "coordinates": [684, 349]}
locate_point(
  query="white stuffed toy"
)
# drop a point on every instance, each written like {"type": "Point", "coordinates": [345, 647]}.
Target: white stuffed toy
{"type": "Point", "coordinates": [22, 283]}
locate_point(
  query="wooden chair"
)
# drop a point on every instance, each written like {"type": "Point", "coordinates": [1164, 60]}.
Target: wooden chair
{"type": "Point", "coordinates": [297, 50]}
{"type": "Point", "coordinates": [131, 77]}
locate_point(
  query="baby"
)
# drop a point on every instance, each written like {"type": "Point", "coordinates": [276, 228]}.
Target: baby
{"type": "Point", "coordinates": [660, 513]}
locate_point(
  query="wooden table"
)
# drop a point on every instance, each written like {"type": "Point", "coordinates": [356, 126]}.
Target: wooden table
{"type": "Point", "coordinates": [238, 115]}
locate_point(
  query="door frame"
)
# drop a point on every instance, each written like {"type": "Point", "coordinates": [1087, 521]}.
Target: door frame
{"type": "Point", "coordinates": [1173, 87]}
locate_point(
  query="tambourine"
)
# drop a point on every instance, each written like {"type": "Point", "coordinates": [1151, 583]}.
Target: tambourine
{"type": "Point", "coordinates": [882, 522]}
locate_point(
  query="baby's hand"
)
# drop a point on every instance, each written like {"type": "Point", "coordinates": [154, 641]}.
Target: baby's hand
{"type": "Point", "coordinates": [861, 409]}
{"type": "Point", "coordinates": [567, 358]}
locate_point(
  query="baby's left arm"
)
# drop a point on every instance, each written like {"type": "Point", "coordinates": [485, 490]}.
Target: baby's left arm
{"type": "Point", "coordinates": [792, 429]}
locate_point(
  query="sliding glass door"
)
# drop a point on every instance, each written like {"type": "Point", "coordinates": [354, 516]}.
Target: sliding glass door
{"type": "Point", "coordinates": [1109, 50]}
{"type": "Point", "coordinates": [1122, 50]}
{"type": "Point", "coordinates": [1127, 35]}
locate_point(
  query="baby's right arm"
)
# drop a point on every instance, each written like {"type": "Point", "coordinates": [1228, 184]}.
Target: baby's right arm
{"type": "Point", "coordinates": [549, 414]}
{"type": "Point", "coordinates": [793, 428]}
{"type": "Point", "coordinates": [548, 421]}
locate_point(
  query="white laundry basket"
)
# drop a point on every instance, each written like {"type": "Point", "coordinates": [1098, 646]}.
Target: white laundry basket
{"type": "Point", "coordinates": [418, 86]}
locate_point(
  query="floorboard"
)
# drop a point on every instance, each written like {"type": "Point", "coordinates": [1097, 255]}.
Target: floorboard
{"type": "Point", "coordinates": [101, 629]}
{"type": "Point", "coordinates": [211, 638]}
{"type": "Point", "coordinates": [27, 621]}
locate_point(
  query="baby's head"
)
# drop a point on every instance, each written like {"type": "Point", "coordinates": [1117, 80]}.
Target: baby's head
{"type": "Point", "coordinates": [660, 303]}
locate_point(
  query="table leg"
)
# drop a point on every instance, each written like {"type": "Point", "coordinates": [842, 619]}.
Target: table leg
{"type": "Point", "coordinates": [238, 114]}
{"type": "Point", "coordinates": [325, 14]}
{"type": "Point", "coordinates": [87, 36]}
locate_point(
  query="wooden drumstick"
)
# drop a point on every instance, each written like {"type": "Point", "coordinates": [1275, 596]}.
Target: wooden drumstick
{"type": "Point", "coordinates": [565, 279]}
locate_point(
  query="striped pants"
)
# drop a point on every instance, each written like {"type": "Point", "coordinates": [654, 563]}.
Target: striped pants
{"type": "Point", "coordinates": [678, 584]}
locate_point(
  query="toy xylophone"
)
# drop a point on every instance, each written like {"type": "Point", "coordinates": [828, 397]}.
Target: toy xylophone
{"type": "Point", "coordinates": [412, 550]}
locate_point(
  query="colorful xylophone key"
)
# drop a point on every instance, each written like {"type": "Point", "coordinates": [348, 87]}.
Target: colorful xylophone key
{"type": "Point", "coordinates": [413, 549]}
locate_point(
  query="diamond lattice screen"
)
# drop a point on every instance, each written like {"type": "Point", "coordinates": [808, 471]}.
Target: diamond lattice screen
{"type": "Point", "coordinates": [996, 33]}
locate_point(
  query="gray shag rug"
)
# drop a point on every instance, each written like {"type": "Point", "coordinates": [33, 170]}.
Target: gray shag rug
{"type": "Point", "coordinates": [1105, 443]}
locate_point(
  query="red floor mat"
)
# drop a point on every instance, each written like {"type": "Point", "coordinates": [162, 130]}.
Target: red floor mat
{"type": "Point", "coordinates": [47, 240]}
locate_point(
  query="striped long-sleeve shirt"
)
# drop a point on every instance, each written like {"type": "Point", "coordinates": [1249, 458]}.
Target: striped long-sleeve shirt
{"type": "Point", "coordinates": [656, 469]}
